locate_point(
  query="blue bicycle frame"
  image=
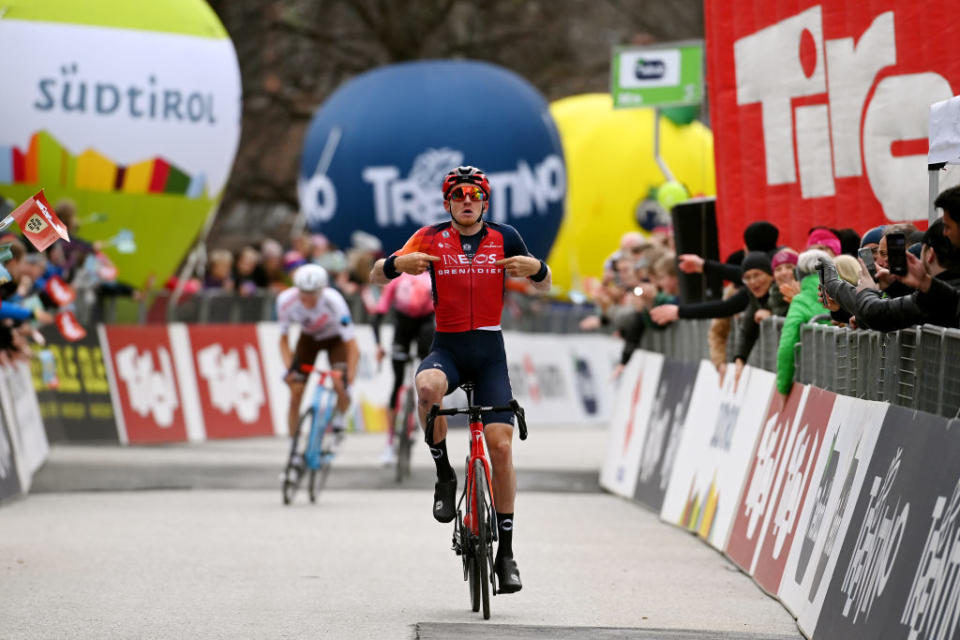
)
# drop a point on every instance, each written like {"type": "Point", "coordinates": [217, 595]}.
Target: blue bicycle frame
{"type": "Point", "coordinates": [324, 403]}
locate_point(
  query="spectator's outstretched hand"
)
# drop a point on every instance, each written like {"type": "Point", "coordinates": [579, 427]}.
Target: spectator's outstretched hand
{"type": "Point", "coordinates": [866, 280]}
{"type": "Point", "coordinates": [884, 278]}
{"type": "Point", "coordinates": [590, 323]}
{"type": "Point", "coordinates": [789, 289]}
{"type": "Point", "coordinates": [761, 315]}
{"type": "Point", "coordinates": [917, 276]}
{"type": "Point", "coordinates": [665, 314]}
{"type": "Point", "coordinates": [690, 263]}
{"type": "Point", "coordinates": [43, 317]}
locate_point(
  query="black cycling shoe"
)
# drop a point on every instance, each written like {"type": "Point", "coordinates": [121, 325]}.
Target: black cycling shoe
{"type": "Point", "coordinates": [508, 577]}
{"type": "Point", "coordinates": [444, 500]}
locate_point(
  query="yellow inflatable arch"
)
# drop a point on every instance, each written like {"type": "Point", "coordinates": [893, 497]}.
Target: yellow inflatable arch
{"type": "Point", "coordinates": [610, 171]}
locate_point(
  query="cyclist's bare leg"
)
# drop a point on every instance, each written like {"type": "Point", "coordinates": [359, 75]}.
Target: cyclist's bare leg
{"type": "Point", "coordinates": [293, 415]}
{"type": "Point", "coordinates": [431, 386]}
{"type": "Point", "coordinates": [499, 438]}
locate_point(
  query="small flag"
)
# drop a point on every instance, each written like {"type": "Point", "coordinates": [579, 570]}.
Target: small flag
{"type": "Point", "coordinates": [39, 223]}
{"type": "Point", "coordinates": [69, 327]}
{"type": "Point", "coordinates": [60, 292]}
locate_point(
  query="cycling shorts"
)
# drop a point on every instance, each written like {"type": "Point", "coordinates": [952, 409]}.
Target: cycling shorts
{"type": "Point", "coordinates": [407, 330]}
{"type": "Point", "coordinates": [477, 356]}
{"type": "Point", "coordinates": [308, 348]}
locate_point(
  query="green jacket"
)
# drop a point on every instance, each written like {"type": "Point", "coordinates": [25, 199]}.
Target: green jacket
{"type": "Point", "coordinates": [805, 305]}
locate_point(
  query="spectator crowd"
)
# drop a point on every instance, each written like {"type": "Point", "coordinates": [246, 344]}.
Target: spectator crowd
{"type": "Point", "coordinates": [889, 278]}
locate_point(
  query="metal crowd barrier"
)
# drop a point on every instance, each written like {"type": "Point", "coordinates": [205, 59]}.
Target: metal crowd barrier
{"type": "Point", "coordinates": [918, 368]}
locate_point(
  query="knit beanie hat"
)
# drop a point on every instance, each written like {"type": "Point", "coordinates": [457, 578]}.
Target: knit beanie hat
{"type": "Point", "coordinates": [756, 260]}
{"type": "Point", "coordinates": [808, 260]}
{"type": "Point", "coordinates": [872, 237]}
{"type": "Point", "coordinates": [761, 236]}
{"type": "Point", "coordinates": [848, 268]}
{"type": "Point", "coordinates": [784, 256]}
{"type": "Point", "coordinates": [826, 238]}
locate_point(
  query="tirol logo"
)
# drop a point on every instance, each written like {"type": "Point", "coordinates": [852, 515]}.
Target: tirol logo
{"type": "Point", "coordinates": [877, 545]}
{"type": "Point", "coordinates": [151, 391]}
{"type": "Point", "coordinates": [416, 198]}
{"type": "Point", "coordinates": [931, 611]}
{"type": "Point", "coordinates": [231, 387]}
{"type": "Point", "coordinates": [829, 113]}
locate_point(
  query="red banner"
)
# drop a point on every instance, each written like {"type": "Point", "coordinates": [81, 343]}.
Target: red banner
{"type": "Point", "coordinates": [230, 380]}
{"type": "Point", "coordinates": [146, 383]}
{"type": "Point", "coordinates": [819, 110]}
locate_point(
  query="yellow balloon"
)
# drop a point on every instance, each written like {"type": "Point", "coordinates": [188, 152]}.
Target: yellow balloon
{"type": "Point", "coordinates": [610, 170]}
{"type": "Point", "coordinates": [670, 194]}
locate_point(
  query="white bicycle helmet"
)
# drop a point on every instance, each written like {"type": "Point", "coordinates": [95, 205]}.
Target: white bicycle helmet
{"type": "Point", "coordinates": [310, 278]}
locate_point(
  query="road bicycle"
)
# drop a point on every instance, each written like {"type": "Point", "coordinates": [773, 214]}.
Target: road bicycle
{"type": "Point", "coordinates": [475, 529]}
{"type": "Point", "coordinates": [310, 445]}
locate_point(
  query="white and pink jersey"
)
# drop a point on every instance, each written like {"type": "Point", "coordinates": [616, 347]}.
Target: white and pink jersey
{"type": "Point", "coordinates": [328, 319]}
{"type": "Point", "coordinates": [410, 295]}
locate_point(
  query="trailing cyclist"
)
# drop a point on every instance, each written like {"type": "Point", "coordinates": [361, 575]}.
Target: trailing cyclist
{"type": "Point", "coordinates": [468, 259]}
{"type": "Point", "coordinates": [411, 298]}
{"type": "Point", "coordinates": [325, 325]}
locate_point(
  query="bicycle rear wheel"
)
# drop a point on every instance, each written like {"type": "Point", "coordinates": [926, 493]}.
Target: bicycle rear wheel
{"type": "Point", "coordinates": [405, 423]}
{"type": "Point", "coordinates": [293, 475]}
{"type": "Point", "coordinates": [482, 492]}
{"type": "Point", "coordinates": [318, 477]}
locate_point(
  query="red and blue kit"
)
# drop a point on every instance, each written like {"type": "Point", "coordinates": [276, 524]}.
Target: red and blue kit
{"type": "Point", "coordinates": [468, 289]}
{"type": "Point", "coordinates": [467, 284]}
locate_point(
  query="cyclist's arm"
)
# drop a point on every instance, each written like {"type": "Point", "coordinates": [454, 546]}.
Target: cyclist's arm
{"type": "Point", "coordinates": [524, 263]}
{"type": "Point", "coordinates": [285, 353]}
{"type": "Point", "coordinates": [353, 358]}
{"type": "Point", "coordinates": [385, 269]}
{"type": "Point", "coordinates": [377, 275]}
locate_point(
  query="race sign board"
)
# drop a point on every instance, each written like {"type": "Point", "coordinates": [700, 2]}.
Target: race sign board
{"type": "Point", "coordinates": [663, 75]}
{"type": "Point", "coordinates": [820, 110]}
{"type": "Point", "coordinates": [144, 383]}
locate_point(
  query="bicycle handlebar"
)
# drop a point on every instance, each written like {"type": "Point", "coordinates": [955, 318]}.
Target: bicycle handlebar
{"type": "Point", "coordinates": [514, 407]}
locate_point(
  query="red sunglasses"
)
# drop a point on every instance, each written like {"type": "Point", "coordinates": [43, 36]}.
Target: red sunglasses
{"type": "Point", "coordinates": [475, 193]}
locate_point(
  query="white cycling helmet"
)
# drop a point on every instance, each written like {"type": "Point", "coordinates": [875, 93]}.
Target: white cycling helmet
{"type": "Point", "coordinates": [310, 278]}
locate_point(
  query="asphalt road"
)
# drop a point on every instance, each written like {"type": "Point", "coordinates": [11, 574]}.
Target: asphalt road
{"type": "Point", "coordinates": [193, 541]}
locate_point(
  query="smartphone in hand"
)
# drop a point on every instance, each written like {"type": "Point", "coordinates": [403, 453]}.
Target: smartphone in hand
{"type": "Point", "coordinates": [897, 253]}
{"type": "Point", "coordinates": [866, 255]}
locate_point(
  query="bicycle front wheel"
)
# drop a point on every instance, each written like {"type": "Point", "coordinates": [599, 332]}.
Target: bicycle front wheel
{"type": "Point", "coordinates": [484, 536]}
{"type": "Point", "coordinates": [293, 473]}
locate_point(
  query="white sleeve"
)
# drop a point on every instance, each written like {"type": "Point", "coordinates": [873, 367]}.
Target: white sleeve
{"type": "Point", "coordinates": [345, 324]}
{"type": "Point", "coordinates": [283, 316]}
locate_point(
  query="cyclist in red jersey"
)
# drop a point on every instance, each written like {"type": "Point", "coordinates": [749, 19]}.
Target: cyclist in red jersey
{"type": "Point", "coordinates": [468, 259]}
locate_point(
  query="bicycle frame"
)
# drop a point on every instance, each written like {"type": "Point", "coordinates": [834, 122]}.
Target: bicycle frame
{"type": "Point", "coordinates": [324, 403]}
{"type": "Point", "coordinates": [477, 448]}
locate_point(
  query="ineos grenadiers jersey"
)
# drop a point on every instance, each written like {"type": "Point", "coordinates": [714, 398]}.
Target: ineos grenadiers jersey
{"type": "Point", "coordinates": [328, 319]}
{"type": "Point", "coordinates": [467, 294]}
{"type": "Point", "coordinates": [410, 295]}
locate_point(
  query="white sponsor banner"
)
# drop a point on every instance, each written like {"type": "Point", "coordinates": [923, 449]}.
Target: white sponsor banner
{"type": "Point", "coordinates": [542, 377]}
{"type": "Point", "coordinates": [718, 440]}
{"type": "Point", "coordinates": [32, 436]}
{"type": "Point", "coordinates": [838, 476]}
{"type": "Point", "coordinates": [594, 358]}
{"type": "Point", "coordinates": [636, 389]}
{"type": "Point", "coordinates": [131, 95]}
